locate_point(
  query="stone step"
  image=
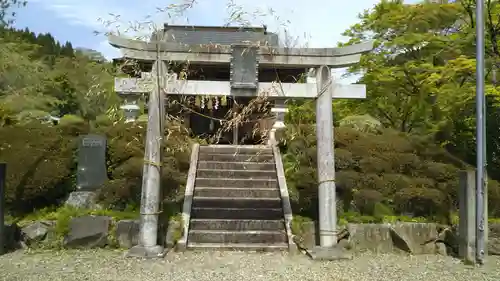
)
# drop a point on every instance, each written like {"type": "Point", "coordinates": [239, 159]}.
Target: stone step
{"type": "Point", "coordinates": [236, 192]}
{"type": "Point", "coordinates": [258, 247]}
{"type": "Point", "coordinates": [223, 237]}
{"type": "Point", "coordinates": [242, 174]}
{"type": "Point", "coordinates": [214, 165]}
{"type": "Point", "coordinates": [261, 158]}
{"type": "Point", "coordinates": [237, 202]}
{"type": "Point", "coordinates": [237, 213]}
{"type": "Point", "coordinates": [235, 149]}
{"type": "Point", "coordinates": [233, 225]}
{"type": "Point", "coordinates": [236, 183]}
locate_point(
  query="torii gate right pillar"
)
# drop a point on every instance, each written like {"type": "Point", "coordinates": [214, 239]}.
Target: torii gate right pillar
{"type": "Point", "coordinates": [325, 158]}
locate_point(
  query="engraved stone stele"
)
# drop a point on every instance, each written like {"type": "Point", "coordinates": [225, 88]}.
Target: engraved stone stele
{"type": "Point", "coordinates": [91, 162]}
{"type": "Point", "coordinates": [91, 171]}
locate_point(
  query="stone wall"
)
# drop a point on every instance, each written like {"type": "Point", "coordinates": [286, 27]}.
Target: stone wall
{"type": "Point", "coordinates": [84, 232]}
{"type": "Point", "coordinates": [101, 231]}
{"type": "Point", "coordinates": [414, 238]}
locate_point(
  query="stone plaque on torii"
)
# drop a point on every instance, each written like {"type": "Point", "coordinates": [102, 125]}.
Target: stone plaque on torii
{"type": "Point", "coordinates": [244, 61]}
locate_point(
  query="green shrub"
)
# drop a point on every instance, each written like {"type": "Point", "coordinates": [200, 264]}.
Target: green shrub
{"type": "Point", "coordinates": [366, 200]}
{"type": "Point", "coordinates": [355, 217]}
{"type": "Point", "coordinates": [363, 123]}
{"type": "Point", "coordinates": [382, 173]}
{"type": "Point", "coordinates": [42, 164]}
{"type": "Point", "coordinates": [494, 199]}
{"type": "Point", "coordinates": [382, 210]}
{"type": "Point", "coordinates": [298, 224]}
{"type": "Point", "coordinates": [40, 161]}
{"type": "Point", "coordinates": [126, 162]}
{"type": "Point", "coordinates": [69, 119]}
{"type": "Point", "coordinates": [421, 201]}
{"type": "Point", "coordinates": [343, 159]}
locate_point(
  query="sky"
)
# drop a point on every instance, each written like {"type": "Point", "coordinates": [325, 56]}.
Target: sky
{"type": "Point", "coordinates": [317, 23]}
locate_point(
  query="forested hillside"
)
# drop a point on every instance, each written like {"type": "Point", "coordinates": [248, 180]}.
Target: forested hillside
{"type": "Point", "coordinates": [42, 77]}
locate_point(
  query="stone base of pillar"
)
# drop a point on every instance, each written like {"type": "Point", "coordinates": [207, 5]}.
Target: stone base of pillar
{"type": "Point", "coordinates": [140, 251]}
{"type": "Point", "coordinates": [180, 247]}
{"type": "Point", "coordinates": [336, 252]}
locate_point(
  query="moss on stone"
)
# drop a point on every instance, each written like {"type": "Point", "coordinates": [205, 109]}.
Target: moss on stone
{"type": "Point", "coordinates": [298, 224]}
{"type": "Point", "coordinates": [63, 216]}
{"type": "Point", "coordinates": [179, 231]}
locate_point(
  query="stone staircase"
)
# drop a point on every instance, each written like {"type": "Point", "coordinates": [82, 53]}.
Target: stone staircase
{"type": "Point", "coordinates": [236, 200]}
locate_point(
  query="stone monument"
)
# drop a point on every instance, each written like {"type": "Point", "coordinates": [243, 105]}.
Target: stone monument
{"type": "Point", "coordinates": [91, 172]}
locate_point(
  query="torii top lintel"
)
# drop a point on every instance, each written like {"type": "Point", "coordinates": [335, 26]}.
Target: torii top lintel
{"type": "Point", "coordinates": [221, 54]}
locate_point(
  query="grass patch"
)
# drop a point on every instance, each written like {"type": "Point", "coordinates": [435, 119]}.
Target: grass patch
{"type": "Point", "coordinates": [179, 231]}
{"type": "Point", "coordinates": [455, 219]}
{"type": "Point", "coordinates": [298, 225]}
{"type": "Point", "coordinates": [354, 217]}
{"type": "Point", "coordinates": [62, 217]}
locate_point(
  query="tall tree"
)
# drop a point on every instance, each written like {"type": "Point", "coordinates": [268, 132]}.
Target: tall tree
{"type": "Point", "coordinates": [22, 81]}
{"type": "Point", "coordinates": [415, 56]}
{"type": "Point", "coordinates": [421, 76]}
{"type": "Point", "coordinates": [83, 86]}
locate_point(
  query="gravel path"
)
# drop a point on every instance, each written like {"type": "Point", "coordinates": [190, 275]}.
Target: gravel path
{"type": "Point", "coordinates": [106, 265]}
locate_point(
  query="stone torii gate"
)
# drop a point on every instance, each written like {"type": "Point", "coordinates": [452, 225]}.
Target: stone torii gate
{"type": "Point", "coordinates": [244, 61]}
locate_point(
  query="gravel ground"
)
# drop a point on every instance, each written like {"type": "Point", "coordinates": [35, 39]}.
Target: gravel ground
{"type": "Point", "coordinates": [106, 265]}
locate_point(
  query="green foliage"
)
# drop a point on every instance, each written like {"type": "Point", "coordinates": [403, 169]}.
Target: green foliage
{"type": "Point", "coordinates": [68, 120]}
{"type": "Point", "coordinates": [298, 225]}
{"type": "Point", "coordinates": [63, 215]}
{"type": "Point", "coordinates": [82, 87]}
{"type": "Point", "coordinates": [396, 152]}
{"type": "Point", "coordinates": [421, 75]}
{"type": "Point", "coordinates": [22, 79]}
{"type": "Point", "coordinates": [41, 77]}
{"type": "Point", "coordinates": [377, 174]}
{"type": "Point", "coordinates": [125, 164]}
{"type": "Point", "coordinates": [354, 217]}
{"type": "Point", "coordinates": [178, 232]}
{"type": "Point", "coordinates": [42, 167]}
{"type": "Point", "coordinates": [366, 200]}
{"type": "Point", "coordinates": [40, 163]}
{"type": "Point", "coordinates": [363, 123]}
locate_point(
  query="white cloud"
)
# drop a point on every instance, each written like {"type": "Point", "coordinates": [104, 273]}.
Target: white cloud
{"type": "Point", "coordinates": [107, 50]}
{"type": "Point", "coordinates": [317, 23]}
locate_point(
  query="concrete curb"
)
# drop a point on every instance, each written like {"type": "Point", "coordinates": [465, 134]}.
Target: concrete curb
{"type": "Point", "coordinates": [285, 198]}
{"type": "Point", "coordinates": [188, 197]}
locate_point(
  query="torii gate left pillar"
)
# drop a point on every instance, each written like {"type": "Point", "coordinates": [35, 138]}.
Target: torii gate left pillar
{"type": "Point", "coordinates": [148, 245]}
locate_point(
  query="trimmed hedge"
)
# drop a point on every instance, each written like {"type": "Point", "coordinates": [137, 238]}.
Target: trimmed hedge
{"type": "Point", "coordinates": [42, 163]}
{"type": "Point", "coordinates": [377, 174]}
{"type": "Point", "coordinates": [126, 161]}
